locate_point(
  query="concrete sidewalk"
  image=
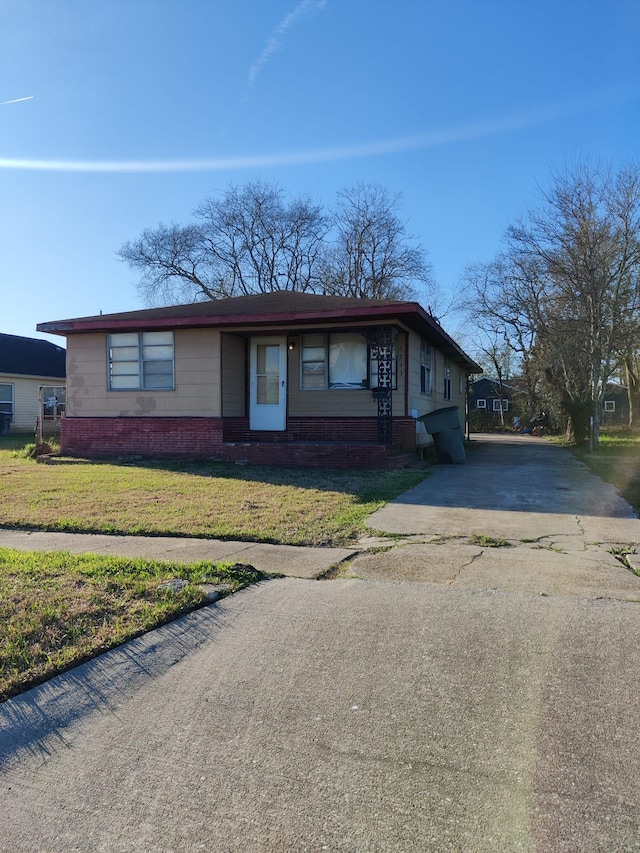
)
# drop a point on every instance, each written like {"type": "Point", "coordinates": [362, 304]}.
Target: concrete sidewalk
{"type": "Point", "coordinates": [290, 560]}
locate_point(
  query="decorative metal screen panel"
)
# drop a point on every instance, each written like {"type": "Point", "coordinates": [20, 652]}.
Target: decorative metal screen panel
{"type": "Point", "coordinates": [381, 346]}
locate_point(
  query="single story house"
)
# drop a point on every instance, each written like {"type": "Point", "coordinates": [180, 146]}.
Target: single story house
{"type": "Point", "coordinates": [278, 378]}
{"type": "Point", "coordinates": [492, 406]}
{"type": "Point", "coordinates": [32, 374]}
{"type": "Point", "coordinates": [615, 405]}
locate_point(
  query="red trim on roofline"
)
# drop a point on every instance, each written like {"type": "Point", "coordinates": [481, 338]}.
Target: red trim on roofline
{"type": "Point", "coordinates": [411, 313]}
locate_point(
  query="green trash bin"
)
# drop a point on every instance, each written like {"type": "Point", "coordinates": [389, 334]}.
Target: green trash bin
{"type": "Point", "coordinates": [445, 427]}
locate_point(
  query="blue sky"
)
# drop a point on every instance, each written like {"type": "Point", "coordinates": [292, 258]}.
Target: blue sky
{"type": "Point", "coordinates": [138, 109]}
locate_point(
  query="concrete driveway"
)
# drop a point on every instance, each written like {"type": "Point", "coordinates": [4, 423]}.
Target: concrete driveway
{"type": "Point", "coordinates": [426, 704]}
{"type": "Point", "coordinates": [521, 515]}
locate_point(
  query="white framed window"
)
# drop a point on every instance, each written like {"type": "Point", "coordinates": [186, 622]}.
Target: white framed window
{"type": "Point", "coordinates": [481, 404]}
{"type": "Point", "coordinates": [461, 381]}
{"type": "Point", "coordinates": [447, 379]}
{"type": "Point", "coordinates": [496, 405]}
{"type": "Point", "coordinates": [141, 361]}
{"type": "Point", "coordinates": [426, 361]}
{"type": "Point", "coordinates": [313, 363]}
{"type": "Point", "coordinates": [609, 405]}
{"type": "Point", "coordinates": [6, 399]}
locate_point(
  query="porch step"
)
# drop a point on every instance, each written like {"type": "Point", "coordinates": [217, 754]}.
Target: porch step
{"type": "Point", "coordinates": [311, 454]}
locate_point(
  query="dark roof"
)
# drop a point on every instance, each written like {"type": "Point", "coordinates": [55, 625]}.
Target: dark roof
{"type": "Point", "coordinates": [270, 309]}
{"type": "Point", "coordinates": [31, 357]}
{"type": "Point", "coordinates": [485, 386]}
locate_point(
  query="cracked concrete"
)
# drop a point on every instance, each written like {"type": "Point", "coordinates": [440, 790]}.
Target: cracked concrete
{"type": "Point", "coordinates": [455, 698]}
{"type": "Point", "coordinates": [560, 524]}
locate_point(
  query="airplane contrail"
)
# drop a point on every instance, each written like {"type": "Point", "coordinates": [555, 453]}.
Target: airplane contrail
{"type": "Point", "coordinates": [395, 145]}
{"type": "Point", "coordinates": [277, 37]}
{"type": "Point", "coordinates": [17, 100]}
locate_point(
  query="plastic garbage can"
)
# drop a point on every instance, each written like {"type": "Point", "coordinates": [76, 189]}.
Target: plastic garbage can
{"type": "Point", "coordinates": [5, 423]}
{"type": "Point", "coordinates": [445, 427]}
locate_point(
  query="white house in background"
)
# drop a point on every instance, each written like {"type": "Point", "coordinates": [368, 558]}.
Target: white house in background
{"type": "Point", "coordinates": [29, 369]}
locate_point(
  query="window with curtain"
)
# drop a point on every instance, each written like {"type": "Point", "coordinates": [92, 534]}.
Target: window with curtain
{"type": "Point", "coordinates": [347, 361]}
{"type": "Point", "coordinates": [333, 361]}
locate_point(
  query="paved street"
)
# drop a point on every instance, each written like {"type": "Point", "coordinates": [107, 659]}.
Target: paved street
{"type": "Point", "coordinates": [437, 697]}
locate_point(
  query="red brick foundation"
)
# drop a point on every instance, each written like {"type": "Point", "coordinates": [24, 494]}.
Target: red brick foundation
{"type": "Point", "coordinates": [160, 438]}
{"type": "Point", "coordinates": [323, 430]}
{"type": "Point", "coordinates": [309, 442]}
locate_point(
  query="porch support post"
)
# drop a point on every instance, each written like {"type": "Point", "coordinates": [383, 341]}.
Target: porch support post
{"type": "Point", "coordinates": [381, 344]}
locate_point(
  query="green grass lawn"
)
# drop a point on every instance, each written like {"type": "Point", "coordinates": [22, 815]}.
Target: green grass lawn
{"type": "Point", "coordinates": [205, 499]}
{"type": "Point", "coordinates": [616, 460]}
{"type": "Point", "coordinates": [58, 609]}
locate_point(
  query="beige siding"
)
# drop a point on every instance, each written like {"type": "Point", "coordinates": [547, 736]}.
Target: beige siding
{"type": "Point", "coordinates": [233, 376]}
{"type": "Point", "coordinates": [197, 379]}
{"type": "Point", "coordinates": [26, 399]}
{"type": "Point", "coordinates": [424, 403]}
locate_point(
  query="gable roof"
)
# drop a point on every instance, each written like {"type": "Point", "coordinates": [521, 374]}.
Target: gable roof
{"type": "Point", "coordinates": [31, 357]}
{"type": "Point", "coordinates": [282, 307]}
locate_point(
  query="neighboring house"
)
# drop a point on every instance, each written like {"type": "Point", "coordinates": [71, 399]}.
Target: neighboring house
{"type": "Point", "coordinates": [615, 405]}
{"type": "Point", "coordinates": [280, 378]}
{"type": "Point", "coordinates": [486, 402]}
{"type": "Point", "coordinates": [30, 370]}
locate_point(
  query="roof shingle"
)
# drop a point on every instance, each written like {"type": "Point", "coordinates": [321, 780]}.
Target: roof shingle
{"type": "Point", "coordinates": [31, 357]}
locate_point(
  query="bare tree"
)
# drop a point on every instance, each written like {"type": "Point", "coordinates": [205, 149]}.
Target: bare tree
{"type": "Point", "coordinates": [248, 241]}
{"type": "Point", "coordinates": [568, 286]}
{"type": "Point", "coordinates": [373, 255]}
{"type": "Point", "coordinates": [585, 245]}
{"type": "Point", "coordinates": [500, 308]}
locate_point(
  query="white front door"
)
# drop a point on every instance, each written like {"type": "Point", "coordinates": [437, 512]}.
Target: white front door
{"type": "Point", "coordinates": [268, 384]}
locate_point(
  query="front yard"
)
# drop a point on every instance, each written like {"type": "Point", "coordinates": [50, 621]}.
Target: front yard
{"type": "Point", "coordinates": [209, 499]}
{"type": "Point", "coordinates": [57, 610]}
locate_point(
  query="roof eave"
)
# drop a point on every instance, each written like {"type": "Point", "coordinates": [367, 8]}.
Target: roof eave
{"type": "Point", "coordinates": [411, 313]}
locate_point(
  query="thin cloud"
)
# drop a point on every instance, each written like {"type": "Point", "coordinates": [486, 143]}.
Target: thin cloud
{"type": "Point", "coordinates": [17, 100]}
{"type": "Point", "coordinates": [433, 139]}
{"type": "Point", "coordinates": [277, 37]}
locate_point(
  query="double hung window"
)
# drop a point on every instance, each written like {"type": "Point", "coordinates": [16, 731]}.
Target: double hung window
{"type": "Point", "coordinates": [141, 361]}
{"type": "Point", "coordinates": [426, 360]}
{"type": "Point", "coordinates": [6, 399]}
{"type": "Point", "coordinates": [447, 379]}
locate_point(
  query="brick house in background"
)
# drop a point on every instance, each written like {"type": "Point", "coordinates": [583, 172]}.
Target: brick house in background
{"type": "Point", "coordinates": [280, 378]}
